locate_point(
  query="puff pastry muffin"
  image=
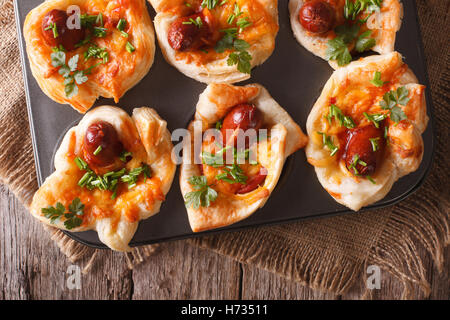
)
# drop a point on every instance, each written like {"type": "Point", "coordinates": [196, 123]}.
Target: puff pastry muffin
{"type": "Point", "coordinates": [216, 41]}
{"type": "Point", "coordinates": [231, 175]}
{"type": "Point", "coordinates": [365, 129]}
{"type": "Point", "coordinates": [80, 50]}
{"type": "Point", "coordinates": [336, 29]}
{"type": "Point", "coordinates": [111, 171]}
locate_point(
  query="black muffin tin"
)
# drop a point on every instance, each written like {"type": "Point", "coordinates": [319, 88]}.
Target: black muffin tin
{"type": "Point", "coordinates": [293, 76]}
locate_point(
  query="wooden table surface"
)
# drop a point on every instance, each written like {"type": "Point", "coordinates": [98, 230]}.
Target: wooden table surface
{"type": "Point", "coordinates": [32, 267]}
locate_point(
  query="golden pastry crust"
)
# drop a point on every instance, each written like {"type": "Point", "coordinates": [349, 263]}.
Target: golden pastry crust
{"type": "Point", "coordinates": [384, 25]}
{"type": "Point", "coordinates": [350, 89]}
{"type": "Point", "coordinates": [207, 65]}
{"type": "Point", "coordinates": [144, 135]}
{"type": "Point", "coordinates": [286, 137]}
{"type": "Point", "coordinates": [109, 80]}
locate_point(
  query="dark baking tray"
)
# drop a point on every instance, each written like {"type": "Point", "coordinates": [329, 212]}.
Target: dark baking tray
{"type": "Point", "coordinates": [293, 76]}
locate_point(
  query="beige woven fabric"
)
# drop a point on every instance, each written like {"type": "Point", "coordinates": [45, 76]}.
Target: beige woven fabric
{"type": "Point", "coordinates": [329, 254]}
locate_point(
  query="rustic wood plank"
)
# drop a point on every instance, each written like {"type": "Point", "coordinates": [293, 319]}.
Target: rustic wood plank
{"type": "Point", "coordinates": [181, 271]}
{"type": "Point", "coordinates": [260, 284]}
{"type": "Point", "coordinates": [32, 266]}
{"type": "Point", "coordinates": [392, 289]}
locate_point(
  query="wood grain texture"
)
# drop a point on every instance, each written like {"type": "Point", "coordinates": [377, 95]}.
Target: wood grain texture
{"type": "Point", "coordinates": [32, 267]}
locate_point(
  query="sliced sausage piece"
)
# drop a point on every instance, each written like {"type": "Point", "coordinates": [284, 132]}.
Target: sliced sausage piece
{"type": "Point", "coordinates": [184, 34]}
{"type": "Point", "coordinates": [56, 32]}
{"type": "Point", "coordinates": [243, 116]}
{"type": "Point", "coordinates": [317, 16]}
{"type": "Point", "coordinates": [102, 139]}
{"type": "Point", "coordinates": [254, 182]}
{"type": "Point", "coordinates": [359, 146]}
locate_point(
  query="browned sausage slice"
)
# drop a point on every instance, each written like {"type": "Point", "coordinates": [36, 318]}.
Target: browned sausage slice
{"type": "Point", "coordinates": [317, 16]}
{"type": "Point", "coordinates": [188, 33]}
{"type": "Point", "coordinates": [101, 144]}
{"type": "Point", "coordinates": [243, 116]}
{"type": "Point", "coordinates": [360, 157]}
{"type": "Point", "coordinates": [254, 182]}
{"type": "Point", "coordinates": [56, 32]}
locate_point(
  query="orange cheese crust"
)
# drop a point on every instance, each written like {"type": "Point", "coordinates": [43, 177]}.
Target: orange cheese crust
{"type": "Point", "coordinates": [208, 65]}
{"type": "Point", "coordinates": [351, 90]}
{"type": "Point", "coordinates": [115, 219]}
{"type": "Point", "coordinates": [111, 79]}
{"type": "Point", "coordinates": [383, 25]}
{"type": "Point", "coordinates": [284, 138]}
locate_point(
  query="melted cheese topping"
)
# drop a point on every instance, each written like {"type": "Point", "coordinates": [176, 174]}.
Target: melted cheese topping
{"type": "Point", "coordinates": [98, 203]}
{"type": "Point", "coordinates": [262, 24]}
{"type": "Point", "coordinates": [120, 60]}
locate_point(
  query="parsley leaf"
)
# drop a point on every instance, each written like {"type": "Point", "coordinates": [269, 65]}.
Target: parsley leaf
{"type": "Point", "coordinates": [337, 50]}
{"type": "Point", "coordinates": [225, 43]}
{"type": "Point", "coordinates": [202, 195]}
{"type": "Point", "coordinates": [365, 43]}
{"type": "Point", "coordinates": [72, 218]}
{"type": "Point", "coordinates": [58, 59]}
{"type": "Point", "coordinates": [242, 60]}
{"type": "Point", "coordinates": [347, 32]}
{"type": "Point", "coordinates": [391, 100]}
{"type": "Point", "coordinates": [376, 81]}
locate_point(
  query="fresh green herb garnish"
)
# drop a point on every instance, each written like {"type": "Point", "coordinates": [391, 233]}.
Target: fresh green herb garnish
{"type": "Point", "coordinates": [109, 181]}
{"type": "Point", "coordinates": [52, 26]}
{"type": "Point", "coordinates": [96, 52]}
{"type": "Point", "coordinates": [59, 48]}
{"type": "Point", "coordinates": [132, 177]}
{"type": "Point", "coordinates": [121, 24]}
{"type": "Point", "coordinates": [392, 99]}
{"type": "Point", "coordinates": [327, 141]}
{"type": "Point", "coordinates": [88, 21]}
{"type": "Point", "coordinates": [240, 57]}
{"type": "Point", "coordinates": [124, 155]}
{"type": "Point", "coordinates": [196, 22]}
{"type": "Point", "coordinates": [374, 142]}
{"type": "Point", "coordinates": [98, 150]}
{"type": "Point", "coordinates": [242, 60]}
{"type": "Point", "coordinates": [202, 195]}
{"type": "Point", "coordinates": [364, 43]}
{"type": "Point", "coordinates": [371, 179]}
{"type": "Point", "coordinates": [99, 32]}
{"type": "Point", "coordinates": [376, 81]}
{"type": "Point", "coordinates": [210, 4]}
{"type": "Point", "coordinates": [337, 114]}
{"type": "Point", "coordinates": [72, 217]}
{"type": "Point", "coordinates": [375, 118]}
{"type": "Point", "coordinates": [337, 50]}
{"type": "Point", "coordinates": [353, 8]}
{"type": "Point", "coordinates": [99, 20]}
{"type": "Point", "coordinates": [69, 71]}
{"type": "Point", "coordinates": [355, 161]}
{"type": "Point", "coordinates": [130, 48]}
{"type": "Point", "coordinates": [347, 33]}
{"type": "Point", "coordinates": [235, 174]}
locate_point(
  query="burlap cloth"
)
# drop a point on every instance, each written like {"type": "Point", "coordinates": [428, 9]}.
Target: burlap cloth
{"type": "Point", "coordinates": [328, 254]}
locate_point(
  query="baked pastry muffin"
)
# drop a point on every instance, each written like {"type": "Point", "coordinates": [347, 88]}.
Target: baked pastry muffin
{"type": "Point", "coordinates": [247, 137]}
{"type": "Point", "coordinates": [80, 50]}
{"type": "Point", "coordinates": [111, 171]}
{"type": "Point", "coordinates": [336, 29]}
{"type": "Point", "coordinates": [365, 129]}
{"type": "Point", "coordinates": [216, 41]}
